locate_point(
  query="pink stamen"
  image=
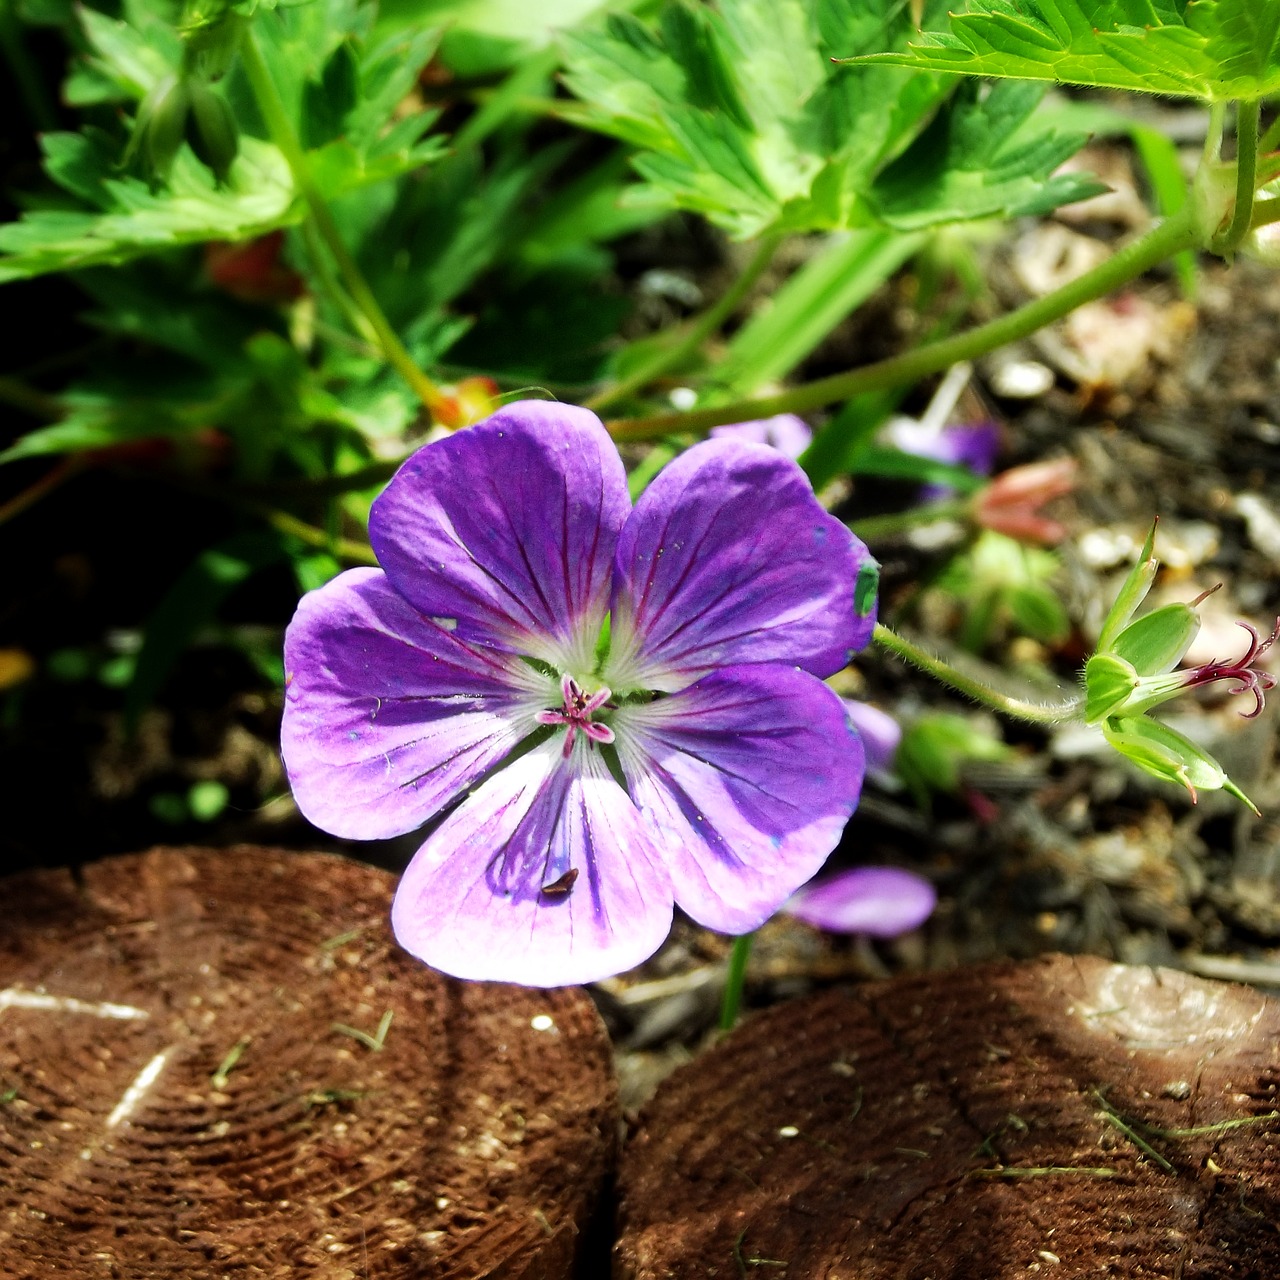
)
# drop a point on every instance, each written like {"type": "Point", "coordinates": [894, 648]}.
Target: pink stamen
{"type": "Point", "coordinates": [1258, 683]}
{"type": "Point", "coordinates": [576, 714]}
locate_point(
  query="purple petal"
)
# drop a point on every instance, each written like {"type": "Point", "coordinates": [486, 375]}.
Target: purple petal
{"type": "Point", "coordinates": [974, 445]}
{"type": "Point", "coordinates": [787, 433]}
{"type": "Point", "coordinates": [546, 876]}
{"type": "Point", "coordinates": [728, 558]}
{"type": "Point", "coordinates": [508, 529]}
{"type": "Point", "coordinates": [387, 717]}
{"type": "Point", "coordinates": [747, 778]}
{"type": "Point", "coordinates": [880, 733]}
{"type": "Point", "coordinates": [880, 901]}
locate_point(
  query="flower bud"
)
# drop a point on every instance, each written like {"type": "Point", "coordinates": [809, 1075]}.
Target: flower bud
{"type": "Point", "coordinates": [1165, 753]}
{"type": "Point", "coordinates": [214, 137]}
{"type": "Point", "coordinates": [161, 124]}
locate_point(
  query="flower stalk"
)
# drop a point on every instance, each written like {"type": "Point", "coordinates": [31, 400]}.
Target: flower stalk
{"type": "Point", "coordinates": [1166, 239]}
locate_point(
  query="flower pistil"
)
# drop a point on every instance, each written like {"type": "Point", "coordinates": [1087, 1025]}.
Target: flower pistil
{"type": "Point", "coordinates": [576, 711]}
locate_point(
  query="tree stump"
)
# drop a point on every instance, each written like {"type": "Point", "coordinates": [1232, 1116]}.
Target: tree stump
{"type": "Point", "coordinates": [219, 1064]}
{"type": "Point", "coordinates": [1067, 1118]}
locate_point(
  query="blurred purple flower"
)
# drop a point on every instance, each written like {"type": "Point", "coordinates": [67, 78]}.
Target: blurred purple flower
{"type": "Point", "coordinates": [974, 445]}
{"type": "Point", "coordinates": [880, 734]}
{"type": "Point", "coordinates": [627, 702]}
{"type": "Point", "coordinates": [787, 433]}
{"type": "Point", "coordinates": [879, 901]}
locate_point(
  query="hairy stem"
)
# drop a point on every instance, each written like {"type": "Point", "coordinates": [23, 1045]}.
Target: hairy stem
{"type": "Point", "coordinates": [697, 332]}
{"type": "Point", "coordinates": [1163, 241]}
{"type": "Point", "coordinates": [1015, 708]}
{"type": "Point", "coordinates": [734, 981]}
{"type": "Point", "coordinates": [283, 135]}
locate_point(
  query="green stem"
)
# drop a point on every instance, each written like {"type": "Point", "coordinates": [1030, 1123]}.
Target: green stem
{"type": "Point", "coordinates": [1246, 178]}
{"type": "Point", "coordinates": [913, 518]}
{"type": "Point", "coordinates": [283, 135]}
{"type": "Point", "coordinates": [698, 331]}
{"type": "Point", "coordinates": [332, 286]}
{"type": "Point", "coordinates": [1163, 241]}
{"type": "Point", "coordinates": [734, 981]}
{"type": "Point", "coordinates": [1016, 708]}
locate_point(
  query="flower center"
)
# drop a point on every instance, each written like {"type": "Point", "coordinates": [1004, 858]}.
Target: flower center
{"type": "Point", "coordinates": [576, 711]}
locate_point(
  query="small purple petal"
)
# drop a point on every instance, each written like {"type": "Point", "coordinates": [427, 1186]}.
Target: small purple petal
{"type": "Point", "coordinates": [387, 717]}
{"type": "Point", "coordinates": [881, 734]}
{"type": "Point", "coordinates": [748, 778]}
{"type": "Point", "coordinates": [974, 444]}
{"type": "Point", "coordinates": [728, 558]}
{"type": "Point", "coordinates": [508, 529]}
{"type": "Point", "coordinates": [787, 433]}
{"type": "Point", "coordinates": [881, 902]}
{"type": "Point", "coordinates": [547, 876]}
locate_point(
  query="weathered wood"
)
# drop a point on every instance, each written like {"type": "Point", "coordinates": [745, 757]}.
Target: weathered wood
{"type": "Point", "coordinates": [193, 1085]}
{"type": "Point", "coordinates": [973, 1125]}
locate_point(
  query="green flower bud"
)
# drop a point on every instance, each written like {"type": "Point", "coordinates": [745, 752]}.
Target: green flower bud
{"type": "Point", "coordinates": [214, 137]}
{"type": "Point", "coordinates": [1132, 594]}
{"type": "Point", "coordinates": [1167, 754]}
{"type": "Point", "coordinates": [161, 124]}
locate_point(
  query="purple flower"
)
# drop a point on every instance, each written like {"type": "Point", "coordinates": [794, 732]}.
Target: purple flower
{"type": "Point", "coordinates": [973, 445]}
{"type": "Point", "coordinates": [785, 432]}
{"type": "Point", "coordinates": [879, 901]}
{"type": "Point", "coordinates": [628, 703]}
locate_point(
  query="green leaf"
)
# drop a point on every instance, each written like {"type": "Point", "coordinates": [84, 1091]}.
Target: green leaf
{"type": "Point", "coordinates": [1210, 49]}
{"type": "Point", "coordinates": [258, 197]}
{"type": "Point", "coordinates": [983, 156]}
{"type": "Point", "coordinates": [738, 113]}
{"type": "Point", "coordinates": [834, 282]}
{"type": "Point", "coordinates": [895, 464]}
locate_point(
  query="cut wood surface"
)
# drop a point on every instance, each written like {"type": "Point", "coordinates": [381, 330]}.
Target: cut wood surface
{"type": "Point", "coordinates": [1065, 1117]}
{"type": "Point", "coordinates": [218, 1063]}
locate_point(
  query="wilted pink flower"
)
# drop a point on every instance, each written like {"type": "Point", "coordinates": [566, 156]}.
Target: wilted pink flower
{"type": "Point", "coordinates": [1011, 503]}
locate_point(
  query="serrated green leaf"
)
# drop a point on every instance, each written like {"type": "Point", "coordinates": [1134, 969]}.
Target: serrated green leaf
{"type": "Point", "coordinates": [984, 155]}
{"type": "Point", "coordinates": [1211, 49]}
{"type": "Point", "coordinates": [739, 114]}
{"type": "Point", "coordinates": [258, 197]}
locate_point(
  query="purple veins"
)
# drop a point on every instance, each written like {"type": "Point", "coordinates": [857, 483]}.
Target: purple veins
{"type": "Point", "coordinates": [603, 710]}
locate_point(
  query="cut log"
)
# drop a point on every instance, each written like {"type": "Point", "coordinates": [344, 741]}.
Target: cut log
{"type": "Point", "coordinates": [1067, 1118]}
{"type": "Point", "coordinates": [219, 1064]}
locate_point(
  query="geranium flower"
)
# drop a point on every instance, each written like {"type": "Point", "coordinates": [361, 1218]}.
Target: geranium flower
{"type": "Point", "coordinates": [627, 702]}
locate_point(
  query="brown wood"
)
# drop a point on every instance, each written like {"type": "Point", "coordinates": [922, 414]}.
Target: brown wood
{"type": "Point", "coordinates": [474, 1142]}
{"type": "Point", "coordinates": [967, 1126]}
